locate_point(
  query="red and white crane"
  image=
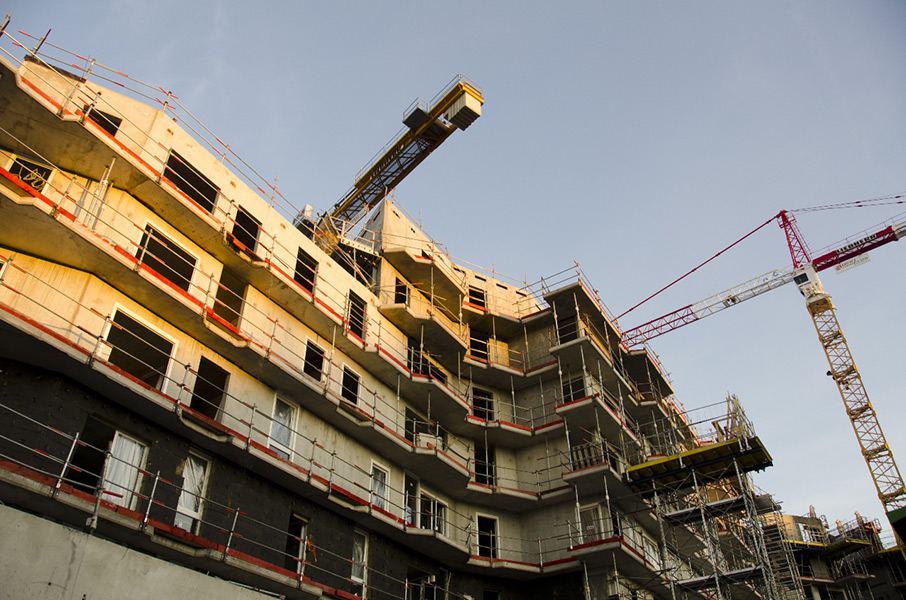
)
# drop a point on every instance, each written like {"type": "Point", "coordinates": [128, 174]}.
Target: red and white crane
{"type": "Point", "coordinates": [804, 273]}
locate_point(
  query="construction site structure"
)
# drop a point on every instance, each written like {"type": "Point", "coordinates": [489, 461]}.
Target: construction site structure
{"type": "Point", "coordinates": [203, 397]}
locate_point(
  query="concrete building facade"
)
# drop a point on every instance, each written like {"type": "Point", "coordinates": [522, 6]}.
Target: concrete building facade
{"type": "Point", "coordinates": [206, 393]}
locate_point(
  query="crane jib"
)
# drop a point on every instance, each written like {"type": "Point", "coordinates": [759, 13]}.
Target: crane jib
{"type": "Point", "coordinates": [856, 248]}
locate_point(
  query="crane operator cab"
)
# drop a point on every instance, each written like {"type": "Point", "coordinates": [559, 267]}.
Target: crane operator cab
{"type": "Point", "coordinates": [809, 284]}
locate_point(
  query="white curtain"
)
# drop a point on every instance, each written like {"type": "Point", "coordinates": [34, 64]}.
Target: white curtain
{"type": "Point", "coordinates": [121, 475]}
{"type": "Point", "coordinates": [379, 488]}
{"type": "Point", "coordinates": [193, 483]}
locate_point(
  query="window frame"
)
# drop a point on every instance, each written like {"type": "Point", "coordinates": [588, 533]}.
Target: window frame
{"type": "Point", "coordinates": [356, 315]}
{"type": "Point", "coordinates": [310, 263]}
{"type": "Point", "coordinates": [486, 411]}
{"type": "Point", "coordinates": [284, 450]}
{"type": "Point", "coordinates": [109, 348]}
{"type": "Point", "coordinates": [359, 570]}
{"type": "Point", "coordinates": [492, 550]}
{"type": "Point", "coordinates": [149, 232]}
{"type": "Point", "coordinates": [344, 388]}
{"type": "Point", "coordinates": [135, 473]}
{"type": "Point", "coordinates": [309, 347]}
{"type": "Point", "coordinates": [294, 558]}
{"type": "Point", "coordinates": [195, 515]}
{"type": "Point", "coordinates": [380, 499]}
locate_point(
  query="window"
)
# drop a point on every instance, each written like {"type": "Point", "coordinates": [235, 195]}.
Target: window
{"type": "Point", "coordinates": [482, 404]}
{"type": "Point", "coordinates": [411, 485]}
{"type": "Point", "coordinates": [120, 474]}
{"type": "Point", "coordinates": [401, 292]}
{"type": "Point", "coordinates": [190, 182]}
{"type": "Point", "coordinates": [166, 258]}
{"type": "Point", "coordinates": [296, 537]}
{"type": "Point", "coordinates": [379, 477]}
{"type": "Point", "coordinates": [574, 389]}
{"type": "Point", "coordinates": [485, 465]}
{"type": "Point", "coordinates": [350, 385]}
{"type": "Point", "coordinates": [356, 316]}
{"type": "Point", "coordinates": [433, 515]}
{"type": "Point", "coordinates": [191, 499]}
{"type": "Point", "coordinates": [306, 268]}
{"type": "Point", "coordinates": [415, 359]}
{"type": "Point", "coordinates": [423, 586]}
{"type": "Point", "coordinates": [137, 350]}
{"type": "Point", "coordinates": [359, 561]}
{"type": "Point", "coordinates": [567, 329]}
{"type": "Point", "coordinates": [590, 524]}
{"type": "Point", "coordinates": [487, 537]}
{"type": "Point", "coordinates": [282, 424]}
{"type": "Point", "coordinates": [477, 297]}
{"type": "Point", "coordinates": [418, 429]}
{"type": "Point", "coordinates": [210, 388]}
{"type": "Point", "coordinates": [228, 300]}
{"type": "Point", "coordinates": [245, 231]}
{"type": "Point", "coordinates": [31, 173]}
{"type": "Point", "coordinates": [106, 121]}
{"type": "Point", "coordinates": [478, 346]}
{"type": "Point", "coordinates": [314, 361]}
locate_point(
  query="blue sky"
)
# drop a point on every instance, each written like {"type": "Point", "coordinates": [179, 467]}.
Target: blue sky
{"type": "Point", "coordinates": [637, 138]}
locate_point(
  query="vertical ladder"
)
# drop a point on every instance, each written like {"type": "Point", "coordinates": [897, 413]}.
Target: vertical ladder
{"type": "Point", "coordinates": [780, 558]}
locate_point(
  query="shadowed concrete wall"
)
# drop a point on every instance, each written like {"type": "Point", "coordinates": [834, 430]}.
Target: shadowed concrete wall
{"type": "Point", "coordinates": [41, 559]}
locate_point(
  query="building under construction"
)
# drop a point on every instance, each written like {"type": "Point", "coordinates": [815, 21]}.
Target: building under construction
{"type": "Point", "coordinates": [209, 394]}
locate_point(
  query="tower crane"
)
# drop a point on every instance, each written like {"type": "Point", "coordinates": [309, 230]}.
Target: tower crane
{"type": "Point", "coordinates": [427, 126]}
{"type": "Point", "coordinates": [804, 273]}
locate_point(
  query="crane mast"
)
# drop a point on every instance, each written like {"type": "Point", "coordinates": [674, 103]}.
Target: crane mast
{"type": "Point", "coordinates": [862, 416]}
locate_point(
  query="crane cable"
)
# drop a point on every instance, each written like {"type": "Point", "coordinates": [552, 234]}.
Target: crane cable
{"type": "Point", "coordinates": [678, 279]}
{"type": "Point", "coordinates": [879, 201]}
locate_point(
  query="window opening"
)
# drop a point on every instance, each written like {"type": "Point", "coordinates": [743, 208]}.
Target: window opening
{"type": "Point", "coordinates": [121, 473]}
{"type": "Point", "coordinates": [228, 301]}
{"type": "Point", "coordinates": [379, 477]}
{"type": "Point", "coordinates": [106, 121]}
{"type": "Point", "coordinates": [487, 537]}
{"type": "Point", "coordinates": [478, 346]}
{"type": "Point", "coordinates": [421, 585]}
{"type": "Point", "coordinates": [359, 561]}
{"type": "Point", "coordinates": [356, 315]}
{"type": "Point", "coordinates": [482, 404]}
{"type": "Point", "coordinates": [415, 359]}
{"type": "Point", "coordinates": [296, 537]}
{"type": "Point", "coordinates": [590, 524]}
{"type": "Point", "coordinates": [401, 292]}
{"type": "Point", "coordinates": [245, 231]}
{"type": "Point", "coordinates": [191, 498]}
{"type": "Point", "coordinates": [31, 173]}
{"type": "Point", "coordinates": [166, 258]}
{"type": "Point", "coordinates": [191, 182]}
{"type": "Point", "coordinates": [477, 297]}
{"type": "Point", "coordinates": [433, 515]}
{"type": "Point", "coordinates": [411, 485]}
{"type": "Point", "coordinates": [314, 361]}
{"type": "Point", "coordinates": [418, 428]}
{"type": "Point", "coordinates": [567, 329]}
{"type": "Point", "coordinates": [282, 424]}
{"type": "Point", "coordinates": [573, 389]}
{"type": "Point", "coordinates": [350, 385]}
{"type": "Point", "coordinates": [306, 268]}
{"type": "Point", "coordinates": [137, 350]}
{"type": "Point", "coordinates": [485, 464]}
{"type": "Point", "coordinates": [210, 388]}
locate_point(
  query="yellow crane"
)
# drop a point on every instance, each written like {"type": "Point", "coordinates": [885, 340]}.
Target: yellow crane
{"type": "Point", "coordinates": [866, 425]}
